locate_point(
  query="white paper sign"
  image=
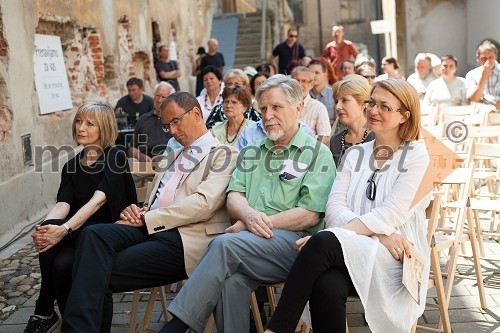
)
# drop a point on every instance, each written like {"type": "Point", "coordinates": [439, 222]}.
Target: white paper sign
{"type": "Point", "coordinates": [380, 27]}
{"type": "Point", "coordinates": [51, 80]}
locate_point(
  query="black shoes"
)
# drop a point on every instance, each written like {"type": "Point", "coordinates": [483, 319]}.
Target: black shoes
{"type": "Point", "coordinates": [39, 325]}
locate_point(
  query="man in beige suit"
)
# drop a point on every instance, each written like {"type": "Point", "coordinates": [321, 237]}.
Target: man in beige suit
{"type": "Point", "coordinates": [162, 242]}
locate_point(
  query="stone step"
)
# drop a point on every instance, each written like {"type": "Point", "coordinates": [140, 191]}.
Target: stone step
{"type": "Point", "coordinates": [250, 46]}
{"type": "Point", "coordinates": [245, 30]}
{"type": "Point", "coordinates": [247, 53]}
{"type": "Point", "coordinates": [242, 62]}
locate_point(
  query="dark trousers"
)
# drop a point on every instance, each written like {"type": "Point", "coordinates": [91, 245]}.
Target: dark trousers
{"type": "Point", "coordinates": [55, 268]}
{"type": "Point", "coordinates": [114, 258]}
{"type": "Point", "coordinates": [319, 275]}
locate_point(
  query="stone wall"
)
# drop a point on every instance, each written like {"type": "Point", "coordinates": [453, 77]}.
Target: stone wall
{"type": "Point", "coordinates": [105, 42]}
{"type": "Point", "coordinates": [449, 27]}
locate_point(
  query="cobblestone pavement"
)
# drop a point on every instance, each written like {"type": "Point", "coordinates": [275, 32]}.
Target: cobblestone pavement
{"type": "Point", "coordinates": [20, 281]}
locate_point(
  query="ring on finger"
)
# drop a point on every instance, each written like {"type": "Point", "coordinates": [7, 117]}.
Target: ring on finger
{"type": "Point", "coordinates": [398, 250]}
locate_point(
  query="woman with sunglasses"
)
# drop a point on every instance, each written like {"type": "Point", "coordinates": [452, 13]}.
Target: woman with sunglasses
{"type": "Point", "coordinates": [236, 101]}
{"type": "Point", "coordinates": [372, 224]}
{"type": "Point", "coordinates": [368, 72]}
{"type": "Point", "coordinates": [350, 95]}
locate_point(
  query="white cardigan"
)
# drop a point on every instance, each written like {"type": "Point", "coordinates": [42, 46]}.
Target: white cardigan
{"type": "Point", "coordinates": [376, 275]}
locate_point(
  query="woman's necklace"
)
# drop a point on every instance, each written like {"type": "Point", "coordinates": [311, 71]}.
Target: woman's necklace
{"type": "Point", "coordinates": [237, 132]}
{"type": "Point", "coordinates": [342, 141]}
{"type": "Point", "coordinates": [217, 101]}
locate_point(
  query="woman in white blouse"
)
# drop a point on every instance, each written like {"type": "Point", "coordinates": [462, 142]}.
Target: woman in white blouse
{"type": "Point", "coordinates": [372, 223]}
{"type": "Point", "coordinates": [211, 95]}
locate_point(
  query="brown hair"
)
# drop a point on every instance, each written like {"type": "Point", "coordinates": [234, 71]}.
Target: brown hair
{"type": "Point", "coordinates": [242, 93]}
{"type": "Point", "coordinates": [332, 78]}
{"type": "Point", "coordinates": [408, 97]}
{"type": "Point", "coordinates": [391, 60]}
{"type": "Point", "coordinates": [104, 116]}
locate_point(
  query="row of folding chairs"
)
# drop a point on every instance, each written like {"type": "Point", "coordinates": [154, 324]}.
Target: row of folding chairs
{"type": "Point", "coordinates": [467, 198]}
{"type": "Point", "coordinates": [455, 219]}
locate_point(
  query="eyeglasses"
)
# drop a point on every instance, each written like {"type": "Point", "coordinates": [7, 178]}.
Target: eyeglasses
{"type": "Point", "coordinates": [293, 36]}
{"type": "Point", "coordinates": [371, 189]}
{"type": "Point", "coordinates": [369, 77]}
{"type": "Point", "coordinates": [370, 104]}
{"type": "Point", "coordinates": [303, 81]}
{"type": "Point", "coordinates": [175, 121]}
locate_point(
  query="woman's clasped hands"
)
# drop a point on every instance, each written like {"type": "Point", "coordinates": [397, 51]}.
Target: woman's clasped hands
{"type": "Point", "coordinates": [396, 245]}
{"type": "Point", "coordinates": [47, 236]}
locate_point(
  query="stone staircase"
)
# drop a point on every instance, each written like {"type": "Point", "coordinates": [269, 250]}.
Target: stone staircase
{"type": "Point", "coordinates": [248, 41]}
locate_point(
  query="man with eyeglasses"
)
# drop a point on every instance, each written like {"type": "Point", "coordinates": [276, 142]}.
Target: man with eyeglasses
{"type": "Point", "coordinates": [287, 51]}
{"type": "Point", "coordinates": [276, 195]}
{"type": "Point", "coordinates": [314, 113]}
{"type": "Point", "coordinates": [149, 140]}
{"type": "Point", "coordinates": [162, 242]}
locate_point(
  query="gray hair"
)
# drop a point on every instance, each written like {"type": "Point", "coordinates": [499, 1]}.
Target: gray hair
{"type": "Point", "coordinates": [423, 56]}
{"type": "Point", "coordinates": [290, 87]}
{"type": "Point", "coordinates": [167, 85]}
{"type": "Point", "coordinates": [487, 46]}
{"type": "Point", "coordinates": [303, 69]}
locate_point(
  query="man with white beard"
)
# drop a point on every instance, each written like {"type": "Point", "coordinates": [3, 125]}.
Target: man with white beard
{"type": "Point", "coordinates": [277, 195]}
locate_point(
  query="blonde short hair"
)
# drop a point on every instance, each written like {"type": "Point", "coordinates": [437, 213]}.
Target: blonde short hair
{"type": "Point", "coordinates": [408, 97]}
{"type": "Point", "coordinates": [104, 116]}
{"type": "Point", "coordinates": [354, 85]}
{"type": "Point", "coordinates": [239, 74]}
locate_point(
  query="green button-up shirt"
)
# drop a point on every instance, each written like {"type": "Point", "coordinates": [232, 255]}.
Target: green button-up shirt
{"type": "Point", "coordinates": [260, 166]}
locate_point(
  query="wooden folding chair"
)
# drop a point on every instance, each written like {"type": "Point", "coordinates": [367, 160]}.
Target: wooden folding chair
{"type": "Point", "coordinates": [270, 288]}
{"type": "Point", "coordinates": [142, 193]}
{"type": "Point", "coordinates": [493, 118]}
{"type": "Point", "coordinates": [488, 201]}
{"type": "Point", "coordinates": [436, 275]}
{"type": "Point", "coordinates": [455, 233]}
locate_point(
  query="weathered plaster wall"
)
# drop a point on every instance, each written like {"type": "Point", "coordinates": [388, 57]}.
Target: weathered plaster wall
{"type": "Point", "coordinates": [439, 27]}
{"type": "Point", "coordinates": [22, 195]}
{"type": "Point", "coordinates": [104, 43]}
{"type": "Point", "coordinates": [482, 22]}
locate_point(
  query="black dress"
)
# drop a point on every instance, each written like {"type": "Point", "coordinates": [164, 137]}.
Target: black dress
{"type": "Point", "coordinates": [109, 174]}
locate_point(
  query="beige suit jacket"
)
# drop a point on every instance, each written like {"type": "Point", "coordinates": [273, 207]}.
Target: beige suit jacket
{"type": "Point", "coordinates": [198, 211]}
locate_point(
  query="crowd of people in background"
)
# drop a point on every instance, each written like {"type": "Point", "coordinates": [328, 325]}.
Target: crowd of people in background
{"type": "Point", "coordinates": [323, 103]}
{"type": "Point", "coordinates": [434, 79]}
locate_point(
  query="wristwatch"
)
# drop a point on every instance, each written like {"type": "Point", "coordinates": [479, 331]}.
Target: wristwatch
{"type": "Point", "coordinates": [68, 228]}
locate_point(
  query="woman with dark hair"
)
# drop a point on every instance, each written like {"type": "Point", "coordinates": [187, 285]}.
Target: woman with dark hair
{"type": "Point", "coordinates": [257, 81]}
{"type": "Point", "coordinates": [234, 78]}
{"type": "Point", "coordinates": [211, 95]}
{"type": "Point", "coordinates": [236, 101]}
{"type": "Point", "coordinates": [372, 224]}
{"type": "Point", "coordinates": [95, 187]}
{"type": "Point", "coordinates": [267, 67]}
{"type": "Point", "coordinates": [390, 68]}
